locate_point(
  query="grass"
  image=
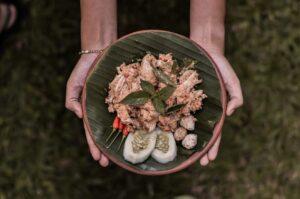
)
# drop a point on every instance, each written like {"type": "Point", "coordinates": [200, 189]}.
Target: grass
{"type": "Point", "coordinates": [43, 152]}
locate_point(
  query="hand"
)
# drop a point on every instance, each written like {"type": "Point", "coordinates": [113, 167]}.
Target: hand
{"type": "Point", "coordinates": [207, 29]}
{"type": "Point", "coordinates": [73, 93]}
{"type": "Point", "coordinates": [233, 87]}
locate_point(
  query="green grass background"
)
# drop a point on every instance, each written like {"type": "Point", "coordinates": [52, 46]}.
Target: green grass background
{"type": "Point", "coordinates": [43, 152]}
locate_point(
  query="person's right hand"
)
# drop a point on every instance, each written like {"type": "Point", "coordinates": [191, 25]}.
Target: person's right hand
{"type": "Point", "coordinates": [73, 93]}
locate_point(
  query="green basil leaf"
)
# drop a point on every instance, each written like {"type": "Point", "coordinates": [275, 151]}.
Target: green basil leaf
{"type": "Point", "coordinates": [148, 87]}
{"type": "Point", "coordinates": [158, 105]}
{"type": "Point", "coordinates": [174, 108]}
{"type": "Point", "coordinates": [165, 93]}
{"type": "Point", "coordinates": [163, 77]}
{"type": "Point", "coordinates": [136, 98]}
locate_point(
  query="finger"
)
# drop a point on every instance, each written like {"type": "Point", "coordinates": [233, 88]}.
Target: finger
{"type": "Point", "coordinates": [213, 152]}
{"type": "Point", "coordinates": [73, 99]}
{"type": "Point", "coordinates": [236, 96]}
{"type": "Point", "coordinates": [13, 15]}
{"type": "Point", "coordinates": [204, 160]}
{"type": "Point", "coordinates": [104, 160]}
{"type": "Point", "coordinates": [96, 154]}
{"type": "Point", "coordinates": [233, 104]}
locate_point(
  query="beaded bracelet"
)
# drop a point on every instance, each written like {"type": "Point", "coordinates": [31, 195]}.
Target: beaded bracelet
{"type": "Point", "coordinates": [89, 51]}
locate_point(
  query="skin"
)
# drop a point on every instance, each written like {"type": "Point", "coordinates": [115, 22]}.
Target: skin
{"type": "Point", "coordinates": [12, 18]}
{"type": "Point", "coordinates": [98, 30]}
{"type": "Point", "coordinates": [206, 28]}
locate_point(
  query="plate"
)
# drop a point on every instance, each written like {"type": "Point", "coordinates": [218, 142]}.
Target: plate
{"type": "Point", "coordinates": [135, 45]}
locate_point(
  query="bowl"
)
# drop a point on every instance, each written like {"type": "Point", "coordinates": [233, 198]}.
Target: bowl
{"type": "Point", "coordinates": [98, 120]}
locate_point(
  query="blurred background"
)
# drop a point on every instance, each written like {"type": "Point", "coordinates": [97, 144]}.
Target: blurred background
{"type": "Point", "coordinates": [43, 151]}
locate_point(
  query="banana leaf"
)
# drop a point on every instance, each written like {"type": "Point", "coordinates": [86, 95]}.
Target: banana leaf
{"type": "Point", "coordinates": [135, 46]}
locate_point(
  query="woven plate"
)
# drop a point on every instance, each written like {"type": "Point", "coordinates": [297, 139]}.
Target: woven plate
{"type": "Point", "coordinates": [135, 45]}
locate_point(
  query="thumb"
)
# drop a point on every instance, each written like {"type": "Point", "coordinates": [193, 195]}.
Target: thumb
{"type": "Point", "coordinates": [73, 99]}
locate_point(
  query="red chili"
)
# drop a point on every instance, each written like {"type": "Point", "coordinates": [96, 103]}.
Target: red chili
{"type": "Point", "coordinates": [125, 131]}
{"type": "Point", "coordinates": [116, 123]}
{"type": "Point", "coordinates": [121, 126]}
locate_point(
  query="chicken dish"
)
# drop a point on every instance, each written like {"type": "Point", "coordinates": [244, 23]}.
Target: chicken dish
{"type": "Point", "coordinates": [156, 92]}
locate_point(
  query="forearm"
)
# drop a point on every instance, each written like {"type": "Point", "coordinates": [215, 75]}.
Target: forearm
{"type": "Point", "coordinates": [98, 23]}
{"type": "Point", "coordinates": [207, 24]}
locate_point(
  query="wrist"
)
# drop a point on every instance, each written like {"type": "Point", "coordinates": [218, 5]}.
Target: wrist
{"type": "Point", "coordinates": [97, 40]}
{"type": "Point", "coordinates": [88, 58]}
{"type": "Point", "coordinates": [98, 23]}
{"type": "Point", "coordinates": [210, 36]}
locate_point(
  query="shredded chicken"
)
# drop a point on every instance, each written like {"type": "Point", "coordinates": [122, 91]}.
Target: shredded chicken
{"type": "Point", "coordinates": [128, 80]}
{"type": "Point", "coordinates": [168, 123]}
{"type": "Point", "coordinates": [148, 116]}
{"type": "Point", "coordinates": [146, 69]}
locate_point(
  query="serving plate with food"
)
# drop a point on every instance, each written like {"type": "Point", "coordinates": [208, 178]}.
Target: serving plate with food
{"type": "Point", "coordinates": [154, 102]}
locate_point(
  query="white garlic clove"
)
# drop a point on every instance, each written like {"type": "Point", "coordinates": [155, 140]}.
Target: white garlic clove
{"type": "Point", "coordinates": [180, 134]}
{"type": "Point", "coordinates": [190, 141]}
{"type": "Point", "coordinates": [188, 122]}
